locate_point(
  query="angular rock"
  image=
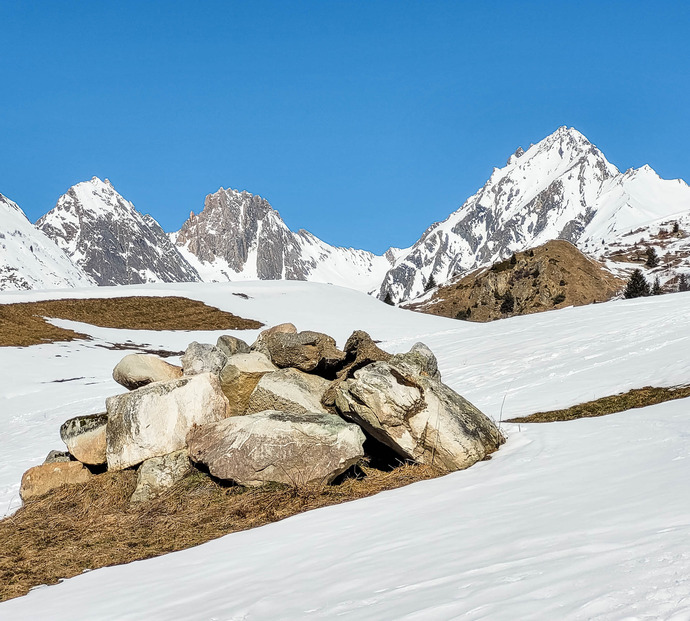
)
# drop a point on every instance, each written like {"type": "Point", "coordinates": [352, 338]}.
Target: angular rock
{"type": "Point", "coordinates": [154, 420]}
{"type": "Point", "coordinates": [137, 370]}
{"type": "Point", "coordinates": [202, 358]}
{"type": "Point", "coordinates": [55, 457]}
{"type": "Point", "coordinates": [419, 360]}
{"type": "Point", "coordinates": [273, 446]}
{"type": "Point", "coordinates": [417, 416]}
{"type": "Point", "coordinates": [40, 480]}
{"type": "Point", "coordinates": [239, 378]}
{"type": "Point", "coordinates": [84, 437]}
{"type": "Point", "coordinates": [158, 474]}
{"type": "Point", "coordinates": [288, 390]}
{"type": "Point", "coordinates": [360, 350]}
{"type": "Point", "coordinates": [281, 328]}
{"type": "Point", "coordinates": [311, 352]}
{"type": "Point", "coordinates": [231, 345]}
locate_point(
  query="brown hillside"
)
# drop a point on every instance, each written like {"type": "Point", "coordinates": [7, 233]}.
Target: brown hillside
{"type": "Point", "coordinates": [551, 276]}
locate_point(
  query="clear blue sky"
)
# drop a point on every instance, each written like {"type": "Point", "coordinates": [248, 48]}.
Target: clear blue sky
{"type": "Point", "coordinates": [362, 122]}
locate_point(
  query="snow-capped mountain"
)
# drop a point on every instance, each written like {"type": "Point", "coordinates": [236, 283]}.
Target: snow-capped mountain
{"type": "Point", "coordinates": [28, 259]}
{"type": "Point", "coordinates": [112, 242]}
{"type": "Point", "coordinates": [561, 188]}
{"type": "Point", "coordinates": [239, 236]}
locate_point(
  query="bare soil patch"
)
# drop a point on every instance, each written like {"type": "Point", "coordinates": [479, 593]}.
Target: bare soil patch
{"type": "Point", "coordinates": [80, 527]}
{"type": "Point", "coordinates": [24, 324]}
{"type": "Point", "coordinates": [637, 398]}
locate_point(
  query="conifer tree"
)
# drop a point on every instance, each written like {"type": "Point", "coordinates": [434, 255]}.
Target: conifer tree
{"type": "Point", "coordinates": [508, 304]}
{"type": "Point", "coordinates": [637, 285]}
{"type": "Point", "coordinates": [388, 299]}
{"type": "Point", "coordinates": [430, 284]}
{"type": "Point", "coordinates": [652, 257]}
{"type": "Point", "coordinates": [656, 288]}
{"type": "Point", "coordinates": [683, 283]}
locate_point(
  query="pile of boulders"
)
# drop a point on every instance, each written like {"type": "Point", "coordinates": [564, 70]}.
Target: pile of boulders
{"type": "Point", "coordinates": [292, 408]}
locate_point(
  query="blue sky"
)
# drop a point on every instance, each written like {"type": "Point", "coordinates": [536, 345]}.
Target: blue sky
{"type": "Point", "coordinates": [363, 122]}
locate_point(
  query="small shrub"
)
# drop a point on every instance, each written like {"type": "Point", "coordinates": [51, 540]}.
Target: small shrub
{"type": "Point", "coordinates": [559, 298]}
{"type": "Point", "coordinates": [508, 304]}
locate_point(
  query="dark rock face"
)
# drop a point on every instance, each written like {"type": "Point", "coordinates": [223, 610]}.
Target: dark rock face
{"type": "Point", "coordinates": [110, 240]}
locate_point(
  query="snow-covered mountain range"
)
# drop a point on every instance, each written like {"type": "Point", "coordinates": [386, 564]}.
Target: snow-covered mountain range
{"type": "Point", "coordinates": [110, 240]}
{"type": "Point", "coordinates": [562, 187]}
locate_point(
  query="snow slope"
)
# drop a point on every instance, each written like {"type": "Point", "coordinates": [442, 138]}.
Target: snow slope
{"type": "Point", "coordinates": [29, 259]}
{"type": "Point", "coordinates": [579, 520]}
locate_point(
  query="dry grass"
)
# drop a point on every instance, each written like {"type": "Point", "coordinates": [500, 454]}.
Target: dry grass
{"type": "Point", "coordinates": [637, 398]}
{"type": "Point", "coordinates": [88, 526]}
{"type": "Point", "coordinates": [23, 324]}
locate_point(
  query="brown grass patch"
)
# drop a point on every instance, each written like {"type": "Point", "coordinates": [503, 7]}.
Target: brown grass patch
{"type": "Point", "coordinates": [637, 398]}
{"type": "Point", "coordinates": [80, 527]}
{"type": "Point", "coordinates": [23, 324]}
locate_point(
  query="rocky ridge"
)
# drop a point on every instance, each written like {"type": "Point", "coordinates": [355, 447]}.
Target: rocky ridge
{"type": "Point", "coordinates": [239, 236]}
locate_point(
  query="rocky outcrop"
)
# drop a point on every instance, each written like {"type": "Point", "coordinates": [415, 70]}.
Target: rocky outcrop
{"type": "Point", "coordinates": [288, 390]}
{"type": "Point", "coordinates": [416, 415]}
{"type": "Point", "coordinates": [158, 474]}
{"type": "Point", "coordinates": [311, 352]}
{"type": "Point", "coordinates": [137, 370]}
{"type": "Point", "coordinates": [231, 345]}
{"type": "Point", "coordinates": [40, 480]}
{"type": "Point", "coordinates": [295, 449]}
{"type": "Point", "coordinates": [548, 277]}
{"type": "Point", "coordinates": [203, 358]}
{"type": "Point", "coordinates": [154, 420]}
{"type": "Point", "coordinates": [84, 437]}
{"type": "Point", "coordinates": [239, 378]}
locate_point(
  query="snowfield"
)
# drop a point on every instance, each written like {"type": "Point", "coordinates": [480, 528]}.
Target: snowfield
{"type": "Point", "coordinates": [588, 519]}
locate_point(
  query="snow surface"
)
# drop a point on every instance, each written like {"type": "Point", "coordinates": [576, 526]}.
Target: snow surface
{"type": "Point", "coordinates": [587, 519]}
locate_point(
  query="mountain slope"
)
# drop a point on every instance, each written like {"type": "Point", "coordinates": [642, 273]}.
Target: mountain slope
{"type": "Point", "coordinates": [239, 236]}
{"type": "Point", "coordinates": [29, 259]}
{"type": "Point", "coordinates": [112, 242]}
{"type": "Point", "coordinates": [561, 188]}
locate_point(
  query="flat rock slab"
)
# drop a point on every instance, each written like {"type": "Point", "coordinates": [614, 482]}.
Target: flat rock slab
{"type": "Point", "coordinates": [137, 370]}
{"type": "Point", "coordinates": [42, 479]}
{"type": "Point", "coordinates": [159, 474]}
{"type": "Point", "coordinates": [288, 390]}
{"type": "Point", "coordinates": [84, 437]}
{"type": "Point", "coordinates": [295, 449]}
{"type": "Point", "coordinates": [154, 420]}
{"type": "Point", "coordinates": [239, 378]}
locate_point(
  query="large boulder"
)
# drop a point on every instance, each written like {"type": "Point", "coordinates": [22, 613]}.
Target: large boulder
{"type": "Point", "coordinates": [202, 358]}
{"type": "Point", "coordinates": [84, 437]}
{"type": "Point", "coordinates": [239, 378]}
{"type": "Point", "coordinates": [417, 416]}
{"type": "Point", "coordinates": [420, 360]}
{"type": "Point", "coordinates": [154, 420]}
{"type": "Point", "coordinates": [273, 446]}
{"type": "Point", "coordinates": [137, 370]}
{"type": "Point", "coordinates": [40, 480]}
{"type": "Point", "coordinates": [158, 474]}
{"type": "Point", "coordinates": [311, 352]}
{"type": "Point", "coordinates": [288, 390]}
{"type": "Point", "coordinates": [231, 345]}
